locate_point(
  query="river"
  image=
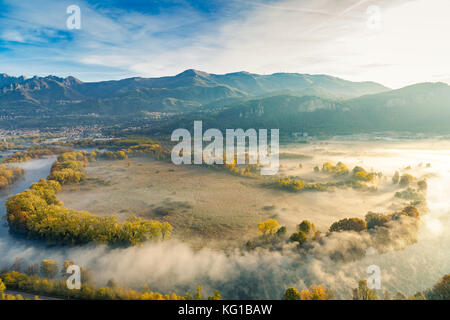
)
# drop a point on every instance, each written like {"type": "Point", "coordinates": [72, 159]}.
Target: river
{"type": "Point", "coordinates": [34, 170]}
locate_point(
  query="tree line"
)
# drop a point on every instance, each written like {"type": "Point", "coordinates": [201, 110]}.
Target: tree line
{"type": "Point", "coordinates": [38, 214]}
{"type": "Point", "coordinates": [395, 230]}
{"type": "Point", "coordinates": [8, 175]}
{"type": "Point", "coordinates": [358, 178]}
{"type": "Point", "coordinates": [36, 152]}
{"type": "Point", "coordinates": [48, 279]}
{"type": "Point", "coordinates": [440, 291]}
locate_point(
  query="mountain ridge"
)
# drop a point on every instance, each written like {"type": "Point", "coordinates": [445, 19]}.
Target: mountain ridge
{"type": "Point", "coordinates": [289, 101]}
{"type": "Point", "coordinates": [421, 108]}
{"type": "Point", "coordinates": [180, 93]}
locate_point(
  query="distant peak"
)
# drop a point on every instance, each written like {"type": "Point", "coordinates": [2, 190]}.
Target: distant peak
{"type": "Point", "coordinates": [239, 73]}
{"type": "Point", "coordinates": [72, 80]}
{"type": "Point", "coordinates": [6, 76]}
{"type": "Point", "coordinates": [192, 73]}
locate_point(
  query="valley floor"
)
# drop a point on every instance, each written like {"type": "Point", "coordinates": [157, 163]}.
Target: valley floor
{"type": "Point", "coordinates": [206, 204]}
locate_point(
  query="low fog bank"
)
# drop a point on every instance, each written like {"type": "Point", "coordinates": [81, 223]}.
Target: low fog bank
{"type": "Point", "coordinates": [261, 274]}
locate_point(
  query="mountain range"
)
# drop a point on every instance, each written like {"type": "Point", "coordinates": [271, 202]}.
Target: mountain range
{"type": "Point", "coordinates": [291, 101]}
{"type": "Point", "coordinates": [186, 91]}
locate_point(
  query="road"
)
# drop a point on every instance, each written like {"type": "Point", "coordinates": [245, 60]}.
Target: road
{"type": "Point", "coordinates": [29, 295]}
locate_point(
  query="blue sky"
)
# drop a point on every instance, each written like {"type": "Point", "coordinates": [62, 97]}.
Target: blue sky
{"type": "Point", "coordinates": [120, 38]}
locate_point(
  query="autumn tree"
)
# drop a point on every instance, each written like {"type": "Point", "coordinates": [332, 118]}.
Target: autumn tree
{"type": "Point", "coordinates": [423, 185]}
{"type": "Point", "coordinates": [313, 293]}
{"type": "Point", "coordinates": [406, 180]}
{"type": "Point", "coordinates": [38, 214]}
{"type": "Point", "coordinates": [198, 293]}
{"type": "Point", "coordinates": [399, 296]}
{"type": "Point", "coordinates": [316, 293]}
{"type": "Point", "coordinates": [2, 287]}
{"type": "Point", "coordinates": [216, 296]}
{"type": "Point", "coordinates": [327, 167]}
{"type": "Point", "coordinates": [338, 170]}
{"type": "Point", "coordinates": [363, 292]}
{"type": "Point", "coordinates": [359, 174]}
{"type": "Point", "coordinates": [305, 231]}
{"type": "Point", "coordinates": [352, 224]}
{"type": "Point", "coordinates": [412, 211]}
{"type": "Point", "coordinates": [268, 227]}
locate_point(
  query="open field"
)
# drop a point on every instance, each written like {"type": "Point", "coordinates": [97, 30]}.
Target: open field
{"type": "Point", "coordinates": [205, 204]}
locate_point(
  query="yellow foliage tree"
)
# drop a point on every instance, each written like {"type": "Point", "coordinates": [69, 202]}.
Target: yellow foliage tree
{"type": "Point", "coordinates": [268, 227]}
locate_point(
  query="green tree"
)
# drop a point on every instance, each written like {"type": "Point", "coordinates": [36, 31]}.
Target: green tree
{"type": "Point", "coordinates": [112, 284]}
{"type": "Point", "coordinates": [281, 232]}
{"type": "Point", "coordinates": [375, 220]}
{"type": "Point", "coordinates": [291, 293]}
{"type": "Point", "coordinates": [406, 180]}
{"type": "Point", "coordinates": [299, 237]}
{"type": "Point", "coordinates": [32, 269]}
{"type": "Point", "coordinates": [305, 231]}
{"type": "Point", "coordinates": [396, 178]}
{"type": "Point", "coordinates": [307, 227]}
{"type": "Point", "coordinates": [441, 290]}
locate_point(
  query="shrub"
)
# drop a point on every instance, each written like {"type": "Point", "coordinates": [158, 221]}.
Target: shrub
{"type": "Point", "coordinates": [352, 224]}
{"type": "Point", "coordinates": [406, 180]}
{"type": "Point", "coordinates": [375, 220]}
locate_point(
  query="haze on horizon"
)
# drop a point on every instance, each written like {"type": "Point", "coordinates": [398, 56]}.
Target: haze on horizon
{"type": "Point", "coordinates": [404, 44]}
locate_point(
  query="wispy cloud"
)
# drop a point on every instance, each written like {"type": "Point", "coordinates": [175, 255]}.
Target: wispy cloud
{"type": "Point", "coordinates": [310, 36]}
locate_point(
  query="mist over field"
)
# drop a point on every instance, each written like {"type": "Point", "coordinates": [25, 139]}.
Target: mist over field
{"type": "Point", "coordinates": [177, 266]}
